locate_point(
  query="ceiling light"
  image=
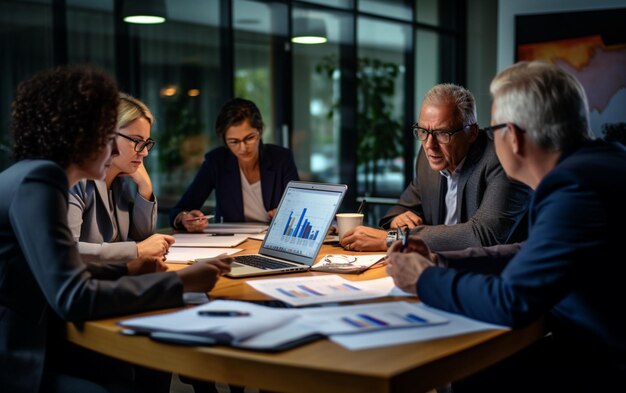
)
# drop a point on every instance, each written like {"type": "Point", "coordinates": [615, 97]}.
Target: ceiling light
{"type": "Point", "coordinates": [144, 11]}
{"type": "Point", "coordinates": [309, 31]}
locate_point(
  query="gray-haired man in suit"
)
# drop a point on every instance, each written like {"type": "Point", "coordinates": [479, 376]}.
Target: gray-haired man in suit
{"type": "Point", "coordinates": [460, 196]}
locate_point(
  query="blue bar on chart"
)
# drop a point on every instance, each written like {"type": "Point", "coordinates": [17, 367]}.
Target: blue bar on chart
{"type": "Point", "coordinates": [302, 230]}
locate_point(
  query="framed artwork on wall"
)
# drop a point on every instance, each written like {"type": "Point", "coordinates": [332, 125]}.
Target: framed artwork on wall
{"type": "Point", "coordinates": [591, 45]}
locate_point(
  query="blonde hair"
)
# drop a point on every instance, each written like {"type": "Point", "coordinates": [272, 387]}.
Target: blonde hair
{"type": "Point", "coordinates": [131, 109]}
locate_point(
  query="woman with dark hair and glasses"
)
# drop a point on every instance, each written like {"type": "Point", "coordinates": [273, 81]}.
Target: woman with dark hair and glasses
{"type": "Point", "coordinates": [109, 219]}
{"type": "Point", "coordinates": [63, 124]}
{"type": "Point", "coordinates": [249, 177]}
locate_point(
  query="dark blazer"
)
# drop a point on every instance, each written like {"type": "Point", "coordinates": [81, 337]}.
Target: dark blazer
{"type": "Point", "coordinates": [220, 172]}
{"type": "Point", "coordinates": [488, 203]}
{"type": "Point", "coordinates": [42, 277]}
{"type": "Point", "coordinates": [570, 267]}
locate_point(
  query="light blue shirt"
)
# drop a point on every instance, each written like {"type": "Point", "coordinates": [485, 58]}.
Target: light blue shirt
{"type": "Point", "coordinates": [452, 215]}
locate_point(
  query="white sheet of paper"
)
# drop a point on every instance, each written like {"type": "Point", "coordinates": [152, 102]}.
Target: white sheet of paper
{"type": "Point", "coordinates": [236, 227]}
{"type": "Point", "coordinates": [457, 325]}
{"type": "Point", "coordinates": [188, 254]}
{"type": "Point", "coordinates": [301, 291]}
{"type": "Point", "coordinates": [258, 236]}
{"type": "Point", "coordinates": [361, 260]}
{"type": "Point", "coordinates": [345, 320]}
{"type": "Point", "coordinates": [206, 240]}
{"type": "Point", "coordinates": [260, 319]}
{"type": "Point", "coordinates": [368, 317]}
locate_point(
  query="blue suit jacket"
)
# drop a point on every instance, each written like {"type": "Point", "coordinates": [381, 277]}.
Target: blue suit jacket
{"type": "Point", "coordinates": [570, 268]}
{"type": "Point", "coordinates": [220, 171]}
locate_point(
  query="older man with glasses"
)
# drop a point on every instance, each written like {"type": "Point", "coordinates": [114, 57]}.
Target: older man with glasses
{"type": "Point", "coordinates": [460, 196]}
{"type": "Point", "coordinates": [570, 271]}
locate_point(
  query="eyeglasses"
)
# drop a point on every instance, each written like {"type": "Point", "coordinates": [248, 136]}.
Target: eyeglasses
{"type": "Point", "coordinates": [489, 130]}
{"type": "Point", "coordinates": [442, 136]}
{"type": "Point", "coordinates": [140, 144]}
{"type": "Point", "coordinates": [339, 260]}
{"type": "Point", "coordinates": [234, 143]}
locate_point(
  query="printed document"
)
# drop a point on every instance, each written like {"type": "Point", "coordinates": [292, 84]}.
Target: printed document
{"type": "Point", "coordinates": [190, 254]}
{"type": "Point", "coordinates": [303, 291]}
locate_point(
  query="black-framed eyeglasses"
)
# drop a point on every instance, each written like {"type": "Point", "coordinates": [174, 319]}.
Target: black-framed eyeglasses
{"type": "Point", "coordinates": [234, 143]}
{"type": "Point", "coordinates": [140, 144]}
{"type": "Point", "coordinates": [442, 136]}
{"type": "Point", "coordinates": [489, 130]}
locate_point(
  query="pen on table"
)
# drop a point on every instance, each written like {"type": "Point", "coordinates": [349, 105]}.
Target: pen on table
{"type": "Point", "coordinates": [220, 234]}
{"type": "Point", "coordinates": [223, 313]}
{"type": "Point", "coordinates": [361, 207]}
{"type": "Point", "coordinates": [197, 218]}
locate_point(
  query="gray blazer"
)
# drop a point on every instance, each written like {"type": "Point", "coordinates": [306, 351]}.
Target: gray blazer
{"type": "Point", "coordinates": [488, 203]}
{"type": "Point", "coordinates": [93, 215]}
{"type": "Point", "coordinates": [42, 276]}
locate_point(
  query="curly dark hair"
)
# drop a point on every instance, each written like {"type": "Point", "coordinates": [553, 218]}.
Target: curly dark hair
{"type": "Point", "coordinates": [235, 112]}
{"type": "Point", "coordinates": [65, 115]}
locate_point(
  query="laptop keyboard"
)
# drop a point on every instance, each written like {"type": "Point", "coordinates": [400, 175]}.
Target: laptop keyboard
{"type": "Point", "coordinates": [261, 262]}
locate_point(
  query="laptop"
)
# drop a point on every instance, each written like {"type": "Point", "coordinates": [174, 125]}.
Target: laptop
{"type": "Point", "coordinates": [297, 231]}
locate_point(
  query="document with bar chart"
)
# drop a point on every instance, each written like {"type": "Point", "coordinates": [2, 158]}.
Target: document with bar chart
{"type": "Point", "coordinates": [301, 291]}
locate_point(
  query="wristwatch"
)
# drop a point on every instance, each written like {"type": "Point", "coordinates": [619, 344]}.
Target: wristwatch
{"type": "Point", "coordinates": [392, 236]}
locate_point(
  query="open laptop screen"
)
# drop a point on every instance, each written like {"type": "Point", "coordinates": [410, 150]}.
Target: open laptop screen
{"type": "Point", "coordinates": [302, 220]}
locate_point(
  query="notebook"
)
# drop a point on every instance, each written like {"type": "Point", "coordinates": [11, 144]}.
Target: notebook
{"type": "Point", "coordinates": [296, 232]}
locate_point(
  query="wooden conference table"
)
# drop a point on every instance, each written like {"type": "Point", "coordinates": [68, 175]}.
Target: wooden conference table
{"type": "Point", "coordinates": [320, 366]}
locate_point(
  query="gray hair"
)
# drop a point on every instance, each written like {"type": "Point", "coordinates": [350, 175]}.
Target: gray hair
{"type": "Point", "coordinates": [545, 101]}
{"type": "Point", "coordinates": [461, 97]}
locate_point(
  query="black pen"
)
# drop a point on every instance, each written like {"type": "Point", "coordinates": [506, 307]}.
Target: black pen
{"type": "Point", "coordinates": [405, 238]}
{"type": "Point", "coordinates": [225, 313]}
{"type": "Point", "coordinates": [220, 234]}
{"type": "Point", "coordinates": [361, 207]}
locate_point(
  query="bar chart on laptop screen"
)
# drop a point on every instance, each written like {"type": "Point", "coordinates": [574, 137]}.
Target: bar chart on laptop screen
{"type": "Point", "coordinates": [302, 221]}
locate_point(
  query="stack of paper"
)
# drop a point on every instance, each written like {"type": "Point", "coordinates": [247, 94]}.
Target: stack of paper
{"type": "Point", "coordinates": [191, 254]}
{"type": "Point", "coordinates": [207, 240]}
{"type": "Point", "coordinates": [236, 227]}
{"type": "Point", "coordinates": [252, 326]}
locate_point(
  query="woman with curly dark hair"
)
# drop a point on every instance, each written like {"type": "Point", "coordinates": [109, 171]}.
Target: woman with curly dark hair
{"type": "Point", "coordinates": [63, 124]}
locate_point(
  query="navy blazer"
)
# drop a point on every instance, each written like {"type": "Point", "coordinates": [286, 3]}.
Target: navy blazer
{"type": "Point", "coordinates": [571, 267]}
{"type": "Point", "coordinates": [220, 172]}
{"type": "Point", "coordinates": [489, 205]}
{"type": "Point", "coordinates": [42, 276]}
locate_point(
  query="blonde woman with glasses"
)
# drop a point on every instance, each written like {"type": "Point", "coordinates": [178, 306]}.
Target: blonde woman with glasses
{"type": "Point", "coordinates": [248, 177]}
{"type": "Point", "coordinates": [109, 219]}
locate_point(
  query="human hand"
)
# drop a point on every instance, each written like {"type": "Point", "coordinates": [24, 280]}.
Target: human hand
{"type": "Point", "coordinates": [414, 244]}
{"type": "Point", "coordinates": [145, 265]}
{"type": "Point", "coordinates": [193, 221]}
{"type": "Point", "coordinates": [271, 213]}
{"type": "Point", "coordinates": [408, 219]}
{"type": "Point", "coordinates": [362, 238]}
{"type": "Point", "coordinates": [155, 246]}
{"type": "Point", "coordinates": [202, 275]}
{"type": "Point", "coordinates": [406, 267]}
{"type": "Point", "coordinates": [142, 179]}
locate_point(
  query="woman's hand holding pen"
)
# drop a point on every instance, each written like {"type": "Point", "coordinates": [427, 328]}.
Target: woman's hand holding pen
{"type": "Point", "coordinates": [406, 263]}
{"type": "Point", "coordinates": [202, 275]}
{"type": "Point", "coordinates": [193, 221]}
